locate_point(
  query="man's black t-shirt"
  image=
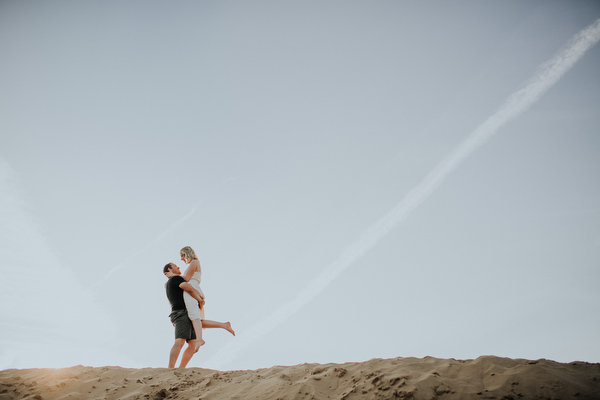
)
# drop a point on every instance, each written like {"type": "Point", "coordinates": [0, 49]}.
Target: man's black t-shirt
{"type": "Point", "coordinates": [175, 293]}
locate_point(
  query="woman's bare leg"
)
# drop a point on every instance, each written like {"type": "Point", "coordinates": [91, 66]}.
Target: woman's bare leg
{"type": "Point", "coordinates": [198, 328]}
{"type": "Point", "coordinates": [214, 324]}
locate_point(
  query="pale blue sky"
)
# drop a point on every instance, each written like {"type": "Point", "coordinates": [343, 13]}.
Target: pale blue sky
{"type": "Point", "coordinates": [270, 136]}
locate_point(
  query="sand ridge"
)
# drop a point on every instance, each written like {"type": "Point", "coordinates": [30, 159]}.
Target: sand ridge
{"type": "Point", "coordinates": [486, 377]}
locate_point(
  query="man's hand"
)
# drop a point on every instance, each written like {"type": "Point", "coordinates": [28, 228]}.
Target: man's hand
{"type": "Point", "coordinates": [201, 303]}
{"type": "Point", "coordinates": [193, 292]}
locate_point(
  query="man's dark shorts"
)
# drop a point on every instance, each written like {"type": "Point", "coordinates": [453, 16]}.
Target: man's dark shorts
{"type": "Point", "coordinates": [183, 326]}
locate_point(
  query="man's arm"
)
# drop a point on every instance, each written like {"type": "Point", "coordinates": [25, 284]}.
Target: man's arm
{"type": "Point", "coordinates": [193, 292]}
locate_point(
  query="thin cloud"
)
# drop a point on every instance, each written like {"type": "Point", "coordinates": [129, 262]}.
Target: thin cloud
{"type": "Point", "coordinates": [43, 307]}
{"type": "Point", "coordinates": [545, 77]}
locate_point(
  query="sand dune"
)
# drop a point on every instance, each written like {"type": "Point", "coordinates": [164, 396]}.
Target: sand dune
{"type": "Point", "coordinates": [400, 378]}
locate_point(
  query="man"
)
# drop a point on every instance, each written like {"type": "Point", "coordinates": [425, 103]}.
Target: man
{"type": "Point", "coordinates": [184, 331]}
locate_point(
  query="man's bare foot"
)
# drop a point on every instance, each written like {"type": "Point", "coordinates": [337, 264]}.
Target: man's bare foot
{"type": "Point", "coordinates": [199, 343]}
{"type": "Point", "coordinates": [228, 328]}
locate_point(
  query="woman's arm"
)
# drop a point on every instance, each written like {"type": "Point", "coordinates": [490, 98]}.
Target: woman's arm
{"type": "Point", "coordinates": [189, 272]}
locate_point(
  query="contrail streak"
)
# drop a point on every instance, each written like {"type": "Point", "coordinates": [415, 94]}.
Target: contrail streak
{"type": "Point", "coordinates": [136, 254]}
{"type": "Point", "coordinates": [547, 75]}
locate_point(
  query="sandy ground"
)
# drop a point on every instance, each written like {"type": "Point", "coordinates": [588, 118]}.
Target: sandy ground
{"type": "Point", "coordinates": [400, 378]}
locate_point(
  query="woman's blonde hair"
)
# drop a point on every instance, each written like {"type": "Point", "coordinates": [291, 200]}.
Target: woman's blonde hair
{"type": "Point", "coordinates": [188, 254]}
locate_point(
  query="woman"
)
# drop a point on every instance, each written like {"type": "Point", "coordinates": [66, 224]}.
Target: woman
{"type": "Point", "coordinates": [195, 311]}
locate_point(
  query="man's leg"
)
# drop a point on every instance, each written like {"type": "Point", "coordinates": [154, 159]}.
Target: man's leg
{"type": "Point", "coordinates": [174, 354]}
{"type": "Point", "coordinates": [188, 353]}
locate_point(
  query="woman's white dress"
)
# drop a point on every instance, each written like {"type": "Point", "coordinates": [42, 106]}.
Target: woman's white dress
{"type": "Point", "coordinates": [194, 311]}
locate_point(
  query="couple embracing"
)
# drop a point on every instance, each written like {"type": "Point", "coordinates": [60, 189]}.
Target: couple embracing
{"type": "Point", "coordinates": [187, 307]}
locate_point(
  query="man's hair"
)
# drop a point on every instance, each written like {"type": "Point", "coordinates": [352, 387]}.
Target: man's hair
{"type": "Point", "coordinates": [167, 268]}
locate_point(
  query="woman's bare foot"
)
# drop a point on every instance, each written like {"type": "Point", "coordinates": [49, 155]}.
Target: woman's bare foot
{"type": "Point", "coordinates": [199, 343]}
{"type": "Point", "coordinates": [228, 328]}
